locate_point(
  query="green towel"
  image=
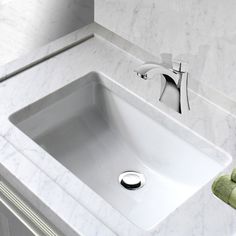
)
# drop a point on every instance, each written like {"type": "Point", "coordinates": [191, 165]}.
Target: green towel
{"type": "Point", "coordinates": [233, 175]}
{"type": "Point", "coordinates": [225, 189]}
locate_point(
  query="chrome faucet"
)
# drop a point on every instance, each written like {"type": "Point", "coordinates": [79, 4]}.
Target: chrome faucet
{"type": "Point", "coordinates": [178, 74]}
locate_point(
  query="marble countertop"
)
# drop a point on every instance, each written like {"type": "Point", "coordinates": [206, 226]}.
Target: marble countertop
{"type": "Point", "coordinates": [50, 187]}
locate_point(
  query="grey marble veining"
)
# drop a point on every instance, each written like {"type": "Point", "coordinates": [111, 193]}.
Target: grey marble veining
{"type": "Point", "coordinates": [17, 169]}
{"type": "Point", "coordinates": [24, 163]}
{"type": "Point", "coordinates": [200, 32]}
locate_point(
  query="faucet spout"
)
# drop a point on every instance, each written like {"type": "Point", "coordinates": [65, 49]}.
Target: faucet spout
{"type": "Point", "coordinates": [148, 70]}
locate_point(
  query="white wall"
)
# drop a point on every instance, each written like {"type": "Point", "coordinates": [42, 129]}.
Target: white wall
{"type": "Point", "coordinates": [201, 32]}
{"type": "Point", "coordinates": [26, 24]}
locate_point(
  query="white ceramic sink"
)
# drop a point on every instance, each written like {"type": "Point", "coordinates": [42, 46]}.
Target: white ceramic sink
{"type": "Point", "coordinates": [93, 131]}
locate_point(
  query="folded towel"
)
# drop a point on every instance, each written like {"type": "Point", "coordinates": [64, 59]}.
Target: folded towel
{"type": "Point", "coordinates": [225, 189]}
{"type": "Point", "coordinates": [233, 175]}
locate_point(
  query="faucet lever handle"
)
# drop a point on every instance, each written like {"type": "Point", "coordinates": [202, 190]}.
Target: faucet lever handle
{"type": "Point", "coordinates": [179, 66]}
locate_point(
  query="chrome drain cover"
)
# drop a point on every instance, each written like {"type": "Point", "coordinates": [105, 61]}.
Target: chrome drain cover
{"type": "Point", "coordinates": [131, 180]}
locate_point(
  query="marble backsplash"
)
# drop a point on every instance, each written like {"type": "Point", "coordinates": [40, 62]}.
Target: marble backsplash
{"type": "Point", "coordinates": [200, 32]}
{"type": "Point", "coordinates": [26, 25]}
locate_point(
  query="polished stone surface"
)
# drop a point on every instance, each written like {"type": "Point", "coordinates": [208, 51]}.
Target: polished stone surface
{"type": "Point", "coordinates": [28, 167]}
{"type": "Point", "coordinates": [200, 32]}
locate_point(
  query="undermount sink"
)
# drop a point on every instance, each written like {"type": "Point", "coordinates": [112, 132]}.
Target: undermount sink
{"type": "Point", "coordinates": [93, 127]}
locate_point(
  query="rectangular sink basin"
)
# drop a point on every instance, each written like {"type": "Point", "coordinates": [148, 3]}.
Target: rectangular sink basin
{"type": "Point", "coordinates": [94, 128]}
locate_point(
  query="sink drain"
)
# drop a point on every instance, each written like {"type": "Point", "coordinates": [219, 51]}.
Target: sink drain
{"type": "Point", "coordinates": [131, 180]}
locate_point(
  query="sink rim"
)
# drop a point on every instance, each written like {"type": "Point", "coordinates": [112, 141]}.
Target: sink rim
{"type": "Point", "coordinates": [109, 83]}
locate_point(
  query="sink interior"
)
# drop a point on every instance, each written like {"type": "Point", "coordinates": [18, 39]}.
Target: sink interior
{"type": "Point", "coordinates": [95, 133]}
